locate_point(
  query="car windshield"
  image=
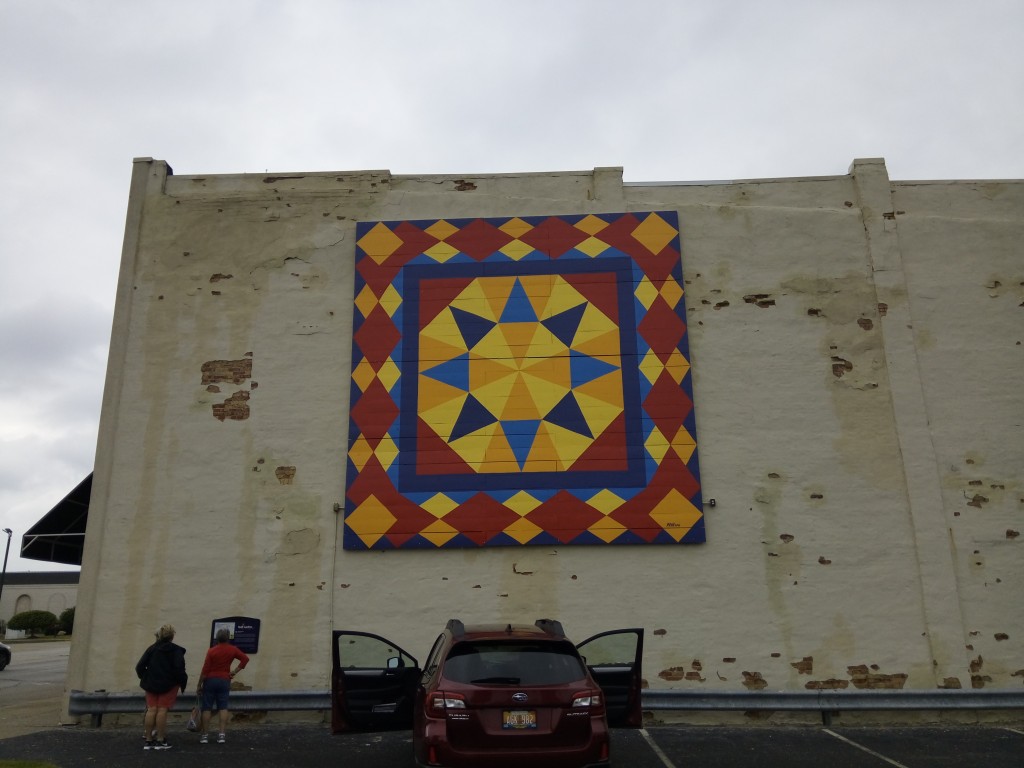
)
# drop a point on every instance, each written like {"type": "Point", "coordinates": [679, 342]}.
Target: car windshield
{"type": "Point", "coordinates": [519, 662]}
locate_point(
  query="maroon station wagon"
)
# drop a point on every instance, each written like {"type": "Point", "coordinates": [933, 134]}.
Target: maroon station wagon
{"type": "Point", "coordinates": [494, 695]}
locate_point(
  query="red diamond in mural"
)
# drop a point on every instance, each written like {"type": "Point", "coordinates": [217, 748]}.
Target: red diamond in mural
{"type": "Point", "coordinates": [377, 337]}
{"type": "Point", "coordinates": [564, 516]}
{"type": "Point", "coordinates": [414, 242]}
{"type": "Point", "coordinates": [374, 413]}
{"type": "Point", "coordinates": [667, 405]}
{"type": "Point", "coordinates": [662, 329]}
{"type": "Point", "coordinates": [481, 518]}
{"type": "Point", "coordinates": [479, 239]}
{"type": "Point", "coordinates": [554, 236]}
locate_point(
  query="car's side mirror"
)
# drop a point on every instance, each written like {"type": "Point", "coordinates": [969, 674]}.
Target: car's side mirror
{"type": "Point", "coordinates": [395, 662]}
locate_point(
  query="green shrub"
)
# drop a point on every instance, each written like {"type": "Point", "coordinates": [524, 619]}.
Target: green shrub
{"type": "Point", "coordinates": [67, 621]}
{"type": "Point", "coordinates": [33, 622]}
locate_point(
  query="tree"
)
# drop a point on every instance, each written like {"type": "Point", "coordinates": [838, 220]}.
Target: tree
{"type": "Point", "coordinates": [67, 620]}
{"type": "Point", "coordinates": [33, 622]}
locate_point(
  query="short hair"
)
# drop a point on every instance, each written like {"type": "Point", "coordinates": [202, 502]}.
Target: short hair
{"type": "Point", "coordinates": [166, 632]}
{"type": "Point", "coordinates": [223, 635]}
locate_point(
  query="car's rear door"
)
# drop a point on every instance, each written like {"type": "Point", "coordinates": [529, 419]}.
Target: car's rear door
{"type": "Point", "coordinates": [614, 661]}
{"type": "Point", "coordinates": [373, 683]}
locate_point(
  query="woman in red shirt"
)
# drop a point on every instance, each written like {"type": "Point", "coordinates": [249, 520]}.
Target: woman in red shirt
{"type": "Point", "coordinates": [215, 681]}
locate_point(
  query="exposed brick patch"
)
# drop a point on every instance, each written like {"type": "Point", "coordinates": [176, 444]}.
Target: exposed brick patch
{"type": "Point", "coordinates": [862, 678]}
{"type": "Point", "coordinates": [235, 407]}
{"type": "Point", "coordinates": [285, 475]}
{"type": "Point", "coordinates": [234, 371]}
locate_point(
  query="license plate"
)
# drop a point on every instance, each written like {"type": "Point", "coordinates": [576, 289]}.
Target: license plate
{"type": "Point", "coordinates": [519, 718]}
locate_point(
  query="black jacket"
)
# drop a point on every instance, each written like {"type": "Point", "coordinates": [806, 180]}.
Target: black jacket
{"type": "Point", "coordinates": [162, 667]}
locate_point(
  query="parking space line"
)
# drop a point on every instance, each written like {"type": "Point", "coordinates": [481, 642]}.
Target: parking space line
{"type": "Point", "coordinates": [1014, 730]}
{"type": "Point", "coordinates": [865, 749]}
{"type": "Point", "coordinates": [657, 750]}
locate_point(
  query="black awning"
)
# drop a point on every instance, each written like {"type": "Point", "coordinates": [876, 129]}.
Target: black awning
{"type": "Point", "coordinates": [60, 535]}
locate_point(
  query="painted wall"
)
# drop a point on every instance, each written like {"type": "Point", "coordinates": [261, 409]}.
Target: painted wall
{"type": "Point", "coordinates": [856, 358]}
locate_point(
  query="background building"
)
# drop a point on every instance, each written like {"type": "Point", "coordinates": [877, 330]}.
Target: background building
{"type": "Point", "coordinates": [293, 429]}
{"type": "Point", "coordinates": [53, 591]}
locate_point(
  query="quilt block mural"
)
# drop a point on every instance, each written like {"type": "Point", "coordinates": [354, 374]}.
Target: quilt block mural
{"type": "Point", "coordinates": [521, 381]}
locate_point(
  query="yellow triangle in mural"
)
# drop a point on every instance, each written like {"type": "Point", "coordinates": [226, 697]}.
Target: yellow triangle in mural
{"type": "Point", "coordinates": [520, 404]}
{"type": "Point", "coordinates": [473, 447]}
{"type": "Point", "coordinates": [606, 390]}
{"type": "Point", "coordinates": [439, 533]}
{"type": "Point", "coordinates": [499, 456]}
{"type": "Point", "coordinates": [495, 290]}
{"type": "Point", "coordinates": [594, 324]}
{"type": "Point", "coordinates": [519, 338]}
{"type": "Point", "coordinates": [522, 530]}
{"type": "Point", "coordinates": [551, 368]}
{"type": "Point", "coordinates": [543, 455]}
{"type": "Point", "coordinates": [604, 345]}
{"type": "Point", "coordinates": [598, 413]}
{"type": "Point", "coordinates": [569, 445]}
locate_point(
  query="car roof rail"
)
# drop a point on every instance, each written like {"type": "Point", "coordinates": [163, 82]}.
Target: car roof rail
{"type": "Point", "coordinates": [551, 626]}
{"type": "Point", "coordinates": [458, 629]}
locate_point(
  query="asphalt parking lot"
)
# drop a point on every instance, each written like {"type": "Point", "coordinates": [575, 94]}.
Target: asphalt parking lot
{"type": "Point", "coordinates": [302, 746]}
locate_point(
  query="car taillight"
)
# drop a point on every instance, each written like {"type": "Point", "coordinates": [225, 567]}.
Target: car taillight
{"type": "Point", "coordinates": [440, 701]}
{"type": "Point", "coordinates": [587, 699]}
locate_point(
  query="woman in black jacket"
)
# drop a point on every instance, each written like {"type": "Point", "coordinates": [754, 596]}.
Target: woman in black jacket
{"type": "Point", "coordinates": [161, 672]}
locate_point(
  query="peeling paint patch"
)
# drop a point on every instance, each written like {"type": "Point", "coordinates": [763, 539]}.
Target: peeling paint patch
{"type": "Point", "coordinates": [951, 683]}
{"type": "Point", "coordinates": [865, 323]}
{"type": "Point", "coordinates": [660, 632]}
{"type": "Point", "coordinates": [763, 300]}
{"type": "Point", "coordinates": [216, 278]}
{"type": "Point", "coordinates": [754, 681]}
{"type": "Point", "coordinates": [787, 537]}
{"type": "Point", "coordinates": [673, 674]}
{"type": "Point", "coordinates": [978, 681]}
{"type": "Point", "coordinates": [824, 561]}
{"type": "Point", "coordinates": [461, 185]}
{"type": "Point", "coordinates": [840, 366]}
{"type": "Point", "coordinates": [1000, 636]}
{"type": "Point", "coordinates": [862, 678]}
{"type": "Point", "coordinates": [826, 685]}
{"type": "Point", "coordinates": [285, 475]}
{"type": "Point", "coordinates": [977, 501]}
{"type": "Point", "coordinates": [805, 666]}
{"type": "Point", "coordinates": [1012, 534]}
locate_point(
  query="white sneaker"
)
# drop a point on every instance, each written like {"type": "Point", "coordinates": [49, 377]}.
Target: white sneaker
{"type": "Point", "coordinates": [203, 739]}
{"type": "Point", "coordinates": [220, 738]}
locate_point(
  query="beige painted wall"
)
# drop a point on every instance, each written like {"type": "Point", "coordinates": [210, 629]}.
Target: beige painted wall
{"type": "Point", "coordinates": [857, 360]}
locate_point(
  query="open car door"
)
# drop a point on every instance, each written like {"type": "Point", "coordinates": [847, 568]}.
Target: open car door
{"type": "Point", "coordinates": [614, 660]}
{"type": "Point", "coordinates": [373, 683]}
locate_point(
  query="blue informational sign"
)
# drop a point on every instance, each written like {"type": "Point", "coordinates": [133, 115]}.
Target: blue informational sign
{"type": "Point", "coordinates": [245, 632]}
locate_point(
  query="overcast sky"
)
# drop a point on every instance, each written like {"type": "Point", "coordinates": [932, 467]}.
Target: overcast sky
{"type": "Point", "coordinates": [670, 90]}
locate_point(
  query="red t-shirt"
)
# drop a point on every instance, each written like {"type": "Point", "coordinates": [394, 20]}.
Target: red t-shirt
{"type": "Point", "coordinates": [219, 658]}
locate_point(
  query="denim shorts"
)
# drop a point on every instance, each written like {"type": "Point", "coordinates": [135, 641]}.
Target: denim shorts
{"type": "Point", "coordinates": [215, 693]}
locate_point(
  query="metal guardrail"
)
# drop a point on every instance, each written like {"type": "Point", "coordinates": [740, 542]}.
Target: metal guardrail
{"type": "Point", "coordinates": [98, 703]}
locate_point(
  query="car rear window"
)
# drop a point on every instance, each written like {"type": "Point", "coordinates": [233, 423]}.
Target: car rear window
{"type": "Point", "coordinates": [519, 662]}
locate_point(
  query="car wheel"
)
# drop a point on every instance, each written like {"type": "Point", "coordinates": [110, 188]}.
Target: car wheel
{"type": "Point", "coordinates": [3, 661]}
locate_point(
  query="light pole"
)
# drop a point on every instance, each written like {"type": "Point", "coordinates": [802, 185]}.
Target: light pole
{"type": "Point", "coordinates": [3, 573]}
